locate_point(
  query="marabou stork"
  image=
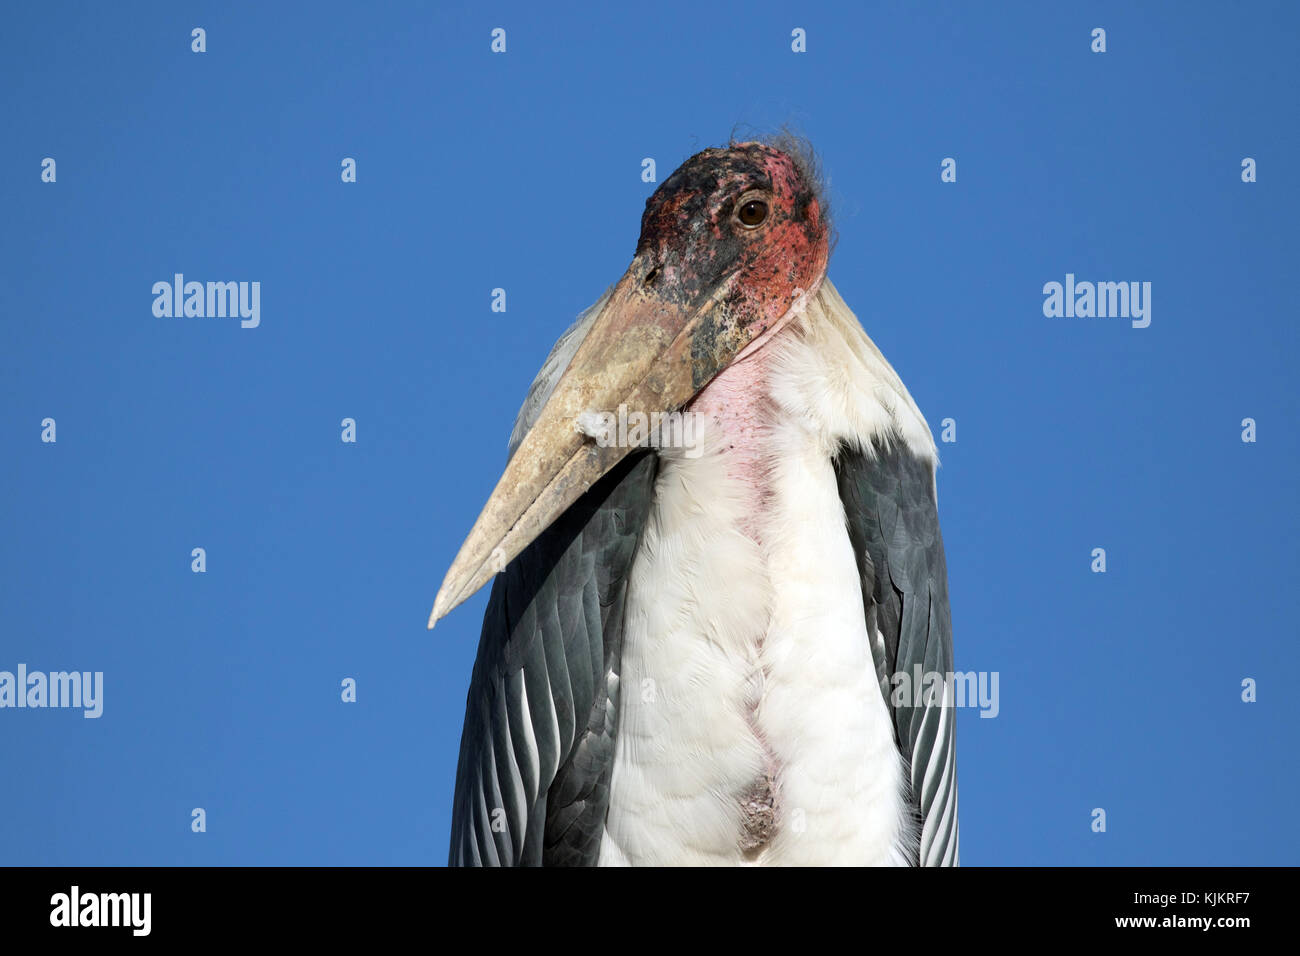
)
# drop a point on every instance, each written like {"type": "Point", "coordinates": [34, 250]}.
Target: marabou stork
{"type": "Point", "coordinates": [689, 652]}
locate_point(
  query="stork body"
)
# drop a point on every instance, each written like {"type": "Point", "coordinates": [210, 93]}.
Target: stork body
{"type": "Point", "coordinates": [748, 639]}
{"type": "Point", "coordinates": [691, 664]}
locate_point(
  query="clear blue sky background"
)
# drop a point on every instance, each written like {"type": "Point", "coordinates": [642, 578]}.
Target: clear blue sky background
{"type": "Point", "coordinates": [1118, 690]}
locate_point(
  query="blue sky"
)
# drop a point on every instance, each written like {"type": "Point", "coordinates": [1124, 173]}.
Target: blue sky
{"type": "Point", "coordinates": [522, 171]}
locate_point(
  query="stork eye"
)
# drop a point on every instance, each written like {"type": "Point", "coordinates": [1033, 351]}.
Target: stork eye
{"type": "Point", "coordinates": [752, 213]}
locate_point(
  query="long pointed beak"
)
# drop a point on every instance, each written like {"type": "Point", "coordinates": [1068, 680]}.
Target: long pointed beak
{"type": "Point", "coordinates": [646, 351]}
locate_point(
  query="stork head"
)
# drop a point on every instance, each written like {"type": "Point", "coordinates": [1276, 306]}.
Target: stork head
{"type": "Point", "coordinates": [741, 227]}
{"type": "Point", "coordinates": [730, 245]}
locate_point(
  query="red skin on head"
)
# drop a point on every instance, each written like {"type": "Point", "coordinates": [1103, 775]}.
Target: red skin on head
{"type": "Point", "coordinates": [692, 236]}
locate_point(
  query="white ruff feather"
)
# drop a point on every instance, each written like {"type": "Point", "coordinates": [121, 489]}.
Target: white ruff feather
{"type": "Point", "coordinates": [746, 663]}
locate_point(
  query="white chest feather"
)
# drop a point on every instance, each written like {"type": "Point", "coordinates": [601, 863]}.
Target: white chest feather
{"type": "Point", "coordinates": [752, 728]}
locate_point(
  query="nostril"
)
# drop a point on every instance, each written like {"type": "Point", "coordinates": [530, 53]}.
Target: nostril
{"type": "Point", "coordinates": [651, 277]}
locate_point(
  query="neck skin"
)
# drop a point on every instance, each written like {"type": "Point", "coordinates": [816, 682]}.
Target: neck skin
{"type": "Point", "coordinates": [740, 409]}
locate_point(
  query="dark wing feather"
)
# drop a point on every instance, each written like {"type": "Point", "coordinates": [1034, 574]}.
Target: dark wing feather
{"type": "Point", "coordinates": [532, 783]}
{"type": "Point", "coordinates": [893, 522]}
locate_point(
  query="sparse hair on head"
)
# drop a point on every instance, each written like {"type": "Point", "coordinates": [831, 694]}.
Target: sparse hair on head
{"type": "Point", "coordinates": [805, 159]}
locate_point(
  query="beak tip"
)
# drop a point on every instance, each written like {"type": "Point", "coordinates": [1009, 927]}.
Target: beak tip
{"type": "Point", "coordinates": [447, 600]}
{"type": "Point", "coordinates": [439, 609]}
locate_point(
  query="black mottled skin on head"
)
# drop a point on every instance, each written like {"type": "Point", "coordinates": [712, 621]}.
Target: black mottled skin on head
{"type": "Point", "coordinates": [691, 237]}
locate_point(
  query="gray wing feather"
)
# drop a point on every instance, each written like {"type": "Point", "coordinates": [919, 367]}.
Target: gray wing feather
{"type": "Point", "coordinates": [537, 749]}
{"type": "Point", "coordinates": [893, 523]}
{"type": "Point", "coordinates": [541, 718]}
